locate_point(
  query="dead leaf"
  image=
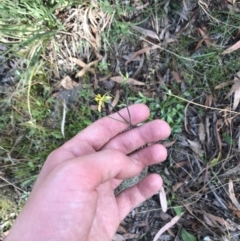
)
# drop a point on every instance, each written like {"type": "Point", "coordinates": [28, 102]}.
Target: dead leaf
{"type": "Point", "coordinates": [199, 44]}
{"type": "Point", "coordinates": [236, 90]}
{"type": "Point", "coordinates": [163, 199]}
{"type": "Point", "coordinates": [165, 216]}
{"type": "Point", "coordinates": [177, 186]}
{"type": "Point", "coordinates": [105, 78]}
{"type": "Point", "coordinates": [224, 84]}
{"type": "Point", "coordinates": [231, 172]}
{"type": "Point", "coordinates": [239, 142]}
{"type": "Point", "coordinates": [78, 62]}
{"type": "Point", "coordinates": [189, 209]}
{"type": "Point", "coordinates": [170, 40]}
{"type": "Point", "coordinates": [87, 68]}
{"type": "Point", "coordinates": [118, 237]}
{"type": "Point", "coordinates": [141, 51]}
{"type": "Point", "coordinates": [227, 119]}
{"type": "Point", "coordinates": [94, 107]}
{"type": "Point", "coordinates": [189, 23]}
{"type": "Point", "coordinates": [236, 212]}
{"type": "Point", "coordinates": [171, 233]}
{"type": "Point", "coordinates": [215, 219]}
{"type": "Point", "coordinates": [95, 80]}
{"type": "Point", "coordinates": [209, 100]}
{"type": "Point", "coordinates": [130, 81]}
{"type": "Point", "coordinates": [233, 48]}
{"type": "Point", "coordinates": [236, 97]}
{"type": "Point", "coordinates": [196, 226]}
{"type": "Point", "coordinates": [166, 227]}
{"type": "Point", "coordinates": [166, 9]}
{"type": "Point", "coordinates": [138, 70]}
{"type": "Point", "coordinates": [237, 77]}
{"type": "Point", "coordinates": [209, 222]}
{"type": "Point", "coordinates": [98, 40]}
{"type": "Point", "coordinates": [232, 194]}
{"type": "Point", "coordinates": [131, 236]}
{"type": "Point", "coordinates": [136, 89]}
{"type": "Point", "coordinates": [115, 101]}
{"type": "Point", "coordinates": [68, 83]}
{"type": "Point", "coordinates": [203, 31]}
{"type": "Point", "coordinates": [166, 171]}
{"type": "Point", "coordinates": [168, 144]}
{"type": "Point", "coordinates": [127, 56]}
{"type": "Point", "coordinates": [177, 77]}
{"type": "Point", "coordinates": [147, 92]}
{"type": "Point", "coordinates": [121, 229]}
{"type": "Point", "coordinates": [141, 7]}
{"type": "Point", "coordinates": [201, 132]}
{"type": "Point", "coordinates": [218, 127]}
{"type": "Point", "coordinates": [146, 32]}
{"type": "Point", "coordinates": [181, 164]}
{"type": "Point", "coordinates": [234, 225]}
{"type": "Point", "coordinates": [196, 147]}
{"type": "Point", "coordinates": [145, 45]}
{"type": "Point", "coordinates": [185, 5]}
{"type": "Point", "coordinates": [186, 120]}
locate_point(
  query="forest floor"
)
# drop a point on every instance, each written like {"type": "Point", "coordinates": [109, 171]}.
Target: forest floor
{"type": "Point", "coordinates": [181, 58]}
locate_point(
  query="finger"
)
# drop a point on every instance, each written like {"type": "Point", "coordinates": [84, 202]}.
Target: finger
{"type": "Point", "coordinates": [94, 137]}
{"type": "Point", "coordinates": [133, 196]}
{"type": "Point", "coordinates": [129, 141]}
{"type": "Point", "coordinates": [100, 132]}
{"type": "Point", "coordinates": [92, 170]}
{"type": "Point", "coordinates": [103, 130]}
{"type": "Point", "coordinates": [146, 156]}
{"type": "Point", "coordinates": [150, 155]}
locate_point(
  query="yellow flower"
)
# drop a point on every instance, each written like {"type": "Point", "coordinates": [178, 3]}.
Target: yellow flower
{"type": "Point", "coordinates": [101, 99]}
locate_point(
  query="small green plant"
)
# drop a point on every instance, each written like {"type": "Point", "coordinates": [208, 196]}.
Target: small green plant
{"type": "Point", "coordinates": [81, 112]}
{"type": "Point", "coordinates": [8, 211]}
{"type": "Point", "coordinates": [119, 8]}
{"type": "Point", "coordinates": [26, 28]}
{"type": "Point", "coordinates": [120, 28]}
{"type": "Point", "coordinates": [169, 110]}
{"type": "Point", "coordinates": [32, 139]}
{"type": "Point", "coordinates": [186, 236]}
{"type": "Point", "coordinates": [103, 67]}
{"type": "Point", "coordinates": [6, 205]}
{"type": "Point", "coordinates": [178, 210]}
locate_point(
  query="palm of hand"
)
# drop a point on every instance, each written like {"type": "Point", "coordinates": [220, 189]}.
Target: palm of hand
{"type": "Point", "coordinates": [107, 217]}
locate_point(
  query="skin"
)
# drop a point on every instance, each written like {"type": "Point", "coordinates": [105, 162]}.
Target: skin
{"type": "Point", "coordinates": [73, 197]}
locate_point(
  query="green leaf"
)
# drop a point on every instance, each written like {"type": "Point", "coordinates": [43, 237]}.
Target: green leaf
{"type": "Point", "coordinates": [228, 139]}
{"type": "Point", "coordinates": [215, 160]}
{"type": "Point", "coordinates": [186, 236]}
{"type": "Point", "coordinates": [169, 119]}
{"type": "Point", "coordinates": [178, 210]}
{"type": "Point", "coordinates": [141, 95]}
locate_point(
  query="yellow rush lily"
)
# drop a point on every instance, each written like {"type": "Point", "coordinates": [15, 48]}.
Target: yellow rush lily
{"type": "Point", "coordinates": [101, 99]}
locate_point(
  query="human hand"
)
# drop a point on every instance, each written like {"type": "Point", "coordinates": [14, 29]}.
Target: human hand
{"type": "Point", "coordinates": [73, 197]}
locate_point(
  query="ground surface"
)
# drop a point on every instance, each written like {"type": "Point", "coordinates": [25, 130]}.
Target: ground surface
{"type": "Point", "coordinates": [181, 58]}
